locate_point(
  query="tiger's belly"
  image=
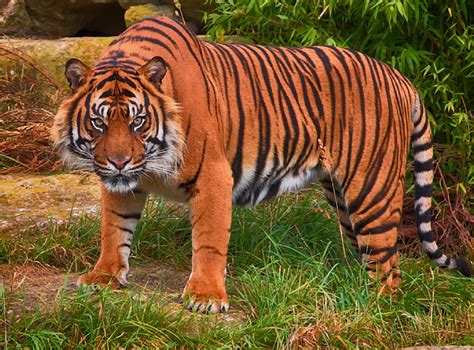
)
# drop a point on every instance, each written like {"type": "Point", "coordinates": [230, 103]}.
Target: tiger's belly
{"type": "Point", "coordinates": [249, 191]}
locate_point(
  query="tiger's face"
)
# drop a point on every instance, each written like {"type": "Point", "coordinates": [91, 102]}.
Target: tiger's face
{"type": "Point", "coordinates": [119, 124]}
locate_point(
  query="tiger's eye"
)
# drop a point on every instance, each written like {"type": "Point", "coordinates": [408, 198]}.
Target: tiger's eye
{"type": "Point", "coordinates": [137, 121]}
{"type": "Point", "coordinates": [98, 123]}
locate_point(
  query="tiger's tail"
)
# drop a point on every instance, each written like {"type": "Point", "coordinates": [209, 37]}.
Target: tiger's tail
{"type": "Point", "coordinates": [423, 164]}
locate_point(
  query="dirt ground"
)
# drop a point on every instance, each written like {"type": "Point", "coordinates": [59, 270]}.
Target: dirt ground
{"type": "Point", "coordinates": [31, 200]}
{"type": "Point", "coordinates": [39, 286]}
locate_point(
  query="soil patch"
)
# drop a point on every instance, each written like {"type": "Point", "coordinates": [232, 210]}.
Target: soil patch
{"type": "Point", "coordinates": [33, 200]}
{"type": "Point", "coordinates": [39, 286]}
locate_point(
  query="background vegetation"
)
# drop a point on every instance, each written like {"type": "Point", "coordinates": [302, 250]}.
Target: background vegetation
{"type": "Point", "coordinates": [430, 41]}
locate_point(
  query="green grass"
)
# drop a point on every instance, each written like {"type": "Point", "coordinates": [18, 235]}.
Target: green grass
{"type": "Point", "coordinates": [287, 274]}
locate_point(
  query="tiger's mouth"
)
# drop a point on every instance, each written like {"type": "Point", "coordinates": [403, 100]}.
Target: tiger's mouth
{"type": "Point", "coordinates": [120, 183]}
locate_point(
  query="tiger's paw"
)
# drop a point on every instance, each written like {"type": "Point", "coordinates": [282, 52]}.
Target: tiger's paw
{"type": "Point", "coordinates": [97, 279]}
{"type": "Point", "coordinates": [390, 282]}
{"type": "Point", "coordinates": [201, 298]}
{"type": "Point", "coordinates": [204, 304]}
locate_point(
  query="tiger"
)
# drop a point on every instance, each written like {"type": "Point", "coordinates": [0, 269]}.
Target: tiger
{"type": "Point", "coordinates": [215, 125]}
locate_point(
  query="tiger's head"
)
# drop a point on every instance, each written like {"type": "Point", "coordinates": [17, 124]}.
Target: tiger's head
{"type": "Point", "coordinates": [119, 123]}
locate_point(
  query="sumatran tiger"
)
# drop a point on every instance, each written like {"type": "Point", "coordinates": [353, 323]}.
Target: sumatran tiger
{"type": "Point", "coordinates": [215, 124]}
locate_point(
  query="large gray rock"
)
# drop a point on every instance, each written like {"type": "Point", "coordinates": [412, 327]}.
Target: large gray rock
{"type": "Point", "coordinates": [60, 18]}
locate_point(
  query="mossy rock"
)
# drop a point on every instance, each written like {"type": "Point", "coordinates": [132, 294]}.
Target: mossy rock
{"type": "Point", "coordinates": [18, 56]}
{"type": "Point", "coordinates": [136, 13]}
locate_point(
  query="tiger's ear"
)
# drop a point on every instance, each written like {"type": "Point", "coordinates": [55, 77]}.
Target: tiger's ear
{"type": "Point", "coordinates": [154, 70]}
{"type": "Point", "coordinates": [76, 73]}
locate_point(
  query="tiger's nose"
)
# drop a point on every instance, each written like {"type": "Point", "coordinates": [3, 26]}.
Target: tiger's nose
{"type": "Point", "coordinates": [119, 162]}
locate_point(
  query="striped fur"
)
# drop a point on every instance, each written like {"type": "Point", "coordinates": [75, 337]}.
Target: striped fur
{"type": "Point", "coordinates": [211, 125]}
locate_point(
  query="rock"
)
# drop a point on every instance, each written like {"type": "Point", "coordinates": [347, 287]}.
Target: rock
{"type": "Point", "coordinates": [49, 56]}
{"type": "Point", "coordinates": [192, 9]}
{"type": "Point", "coordinates": [135, 13]}
{"type": "Point", "coordinates": [14, 18]}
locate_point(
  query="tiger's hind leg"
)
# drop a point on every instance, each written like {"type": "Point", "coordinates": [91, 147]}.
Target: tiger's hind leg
{"type": "Point", "coordinates": [336, 200]}
{"type": "Point", "coordinates": [376, 227]}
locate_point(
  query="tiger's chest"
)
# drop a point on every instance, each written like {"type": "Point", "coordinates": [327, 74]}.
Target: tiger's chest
{"type": "Point", "coordinates": [168, 190]}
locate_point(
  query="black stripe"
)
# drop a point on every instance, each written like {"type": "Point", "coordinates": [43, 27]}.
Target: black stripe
{"type": "Point", "coordinates": [378, 230]}
{"type": "Point", "coordinates": [282, 100]}
{"type": "Point", "coordinates": [212, 249]}
{"type": "Point", "coordinates": [372, 175]}
{"type": "Point", "coordinates": [155, 30]}
{"type": "Point", "coordinates": [238, 157]}
{"type": "Point", "coordinates": [262, 112]}
{"type": "Point", "coordinates": [418, 121]}
{"type": "Point", "coordinates": [127, 216]}
{"type": "Point", "coordinates": [376, 71]}
{"type": "Point", "coordinates": [372, 217]}
{"type": "Point", "coordinates": [116, 77]}
{"type": "Point", "coordinates": [423, 166]}
{"type": "Point", "coordinates": [307, 65]}
{"type": "Point", "coordinates": [124, 229]}
{"type": "Point", "coordinates": [188, 184]}
{"type": "Point", "coordinates": [367, 249]}
{"type": "Point", "coordinates": [346, 226]}
{"type": "Point", "coordinates": [423, 147]}
{"type": "Point", "coordinates": [332, 94]}
{"type": "Point", "coordinates": [392, 251]}
{"type": "Point", "coordinates": [423, 191]}
{"type": "Point", "coordinates": [435, 255]}
{"type": "Point", "coordinates": [416, 135]}
{"type": "Point", "coordinates": [426, 236]}
{"type": "Point", "coordinates": [142, 38]}
{"type": "Point", "coordinates": [425, 217]}
{"type": "Point", "coordinates": [360, 150]}
{"type": "Point", "coordinates": [186, 35]}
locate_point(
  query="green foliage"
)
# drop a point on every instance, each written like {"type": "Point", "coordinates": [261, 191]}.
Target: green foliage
{"type": "Point", "coordinates": [430, 41]}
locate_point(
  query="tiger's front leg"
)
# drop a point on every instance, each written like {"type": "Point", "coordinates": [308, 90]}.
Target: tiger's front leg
{"type": "Point", "coordinates": [120, 213]}
{"type": "Point", "coordinates": [210, 204]}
